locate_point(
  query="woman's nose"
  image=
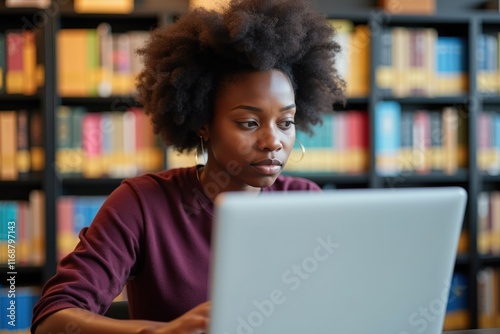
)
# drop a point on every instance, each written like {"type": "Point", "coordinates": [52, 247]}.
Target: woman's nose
{"type": "Point", "coordinates": [269, 139]}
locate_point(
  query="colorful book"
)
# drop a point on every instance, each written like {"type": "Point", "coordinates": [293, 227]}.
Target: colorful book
{"type": "Point", "coordinates": [8, 145]}
{"type": "Point", "coordinates": [387, 137]}
{"type": "Point", "coordinates": [23, 147]}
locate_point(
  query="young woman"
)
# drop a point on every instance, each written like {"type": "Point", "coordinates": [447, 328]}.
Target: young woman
{"type": "Point", "coordinates": [234, 84]}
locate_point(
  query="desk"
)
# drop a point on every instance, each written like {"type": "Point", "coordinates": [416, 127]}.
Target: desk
{"type": "Point", "coordinates": [476, 331]}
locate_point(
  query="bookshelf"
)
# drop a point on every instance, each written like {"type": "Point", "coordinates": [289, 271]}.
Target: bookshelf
{"type": "Point", "coordinates": [461, 18]}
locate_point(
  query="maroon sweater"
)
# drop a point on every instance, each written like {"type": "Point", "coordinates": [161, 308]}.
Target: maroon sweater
{"type": "Point", "coordinates": [153, 235]}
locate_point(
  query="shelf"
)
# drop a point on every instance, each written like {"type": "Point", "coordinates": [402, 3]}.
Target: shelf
{"type": "Point", "coordinates": [437, 19]}
{"type": "Point", "coordinates": [24, 275]}
{"type": "Point", "coordinates": [462, 260]}
{"type": "Point", "coordinates": [141, 9]}
{"type": "Point", "coordinates": [87, 187]}
{"type": "Point", "coordinates": [491, 178]}
{"type": "Point", "coordinates": [493, 99]}
{"type": "Point", "coordinates": [438, 100]}
{"type": "Point", "coordinates": [21, 11]}
{"type": "Point", "coordinates": [490, 260]}
{"type": "Point", "coordinates": [432, 179]}
{"type": "Point", "coordinates": [17, 101]}
{"type": "Point", "coordinates": [335, 178]}
{"type": "Point", "coordinates": [19, 189]}
{"type": "Point", "coordinates": [112, 103]}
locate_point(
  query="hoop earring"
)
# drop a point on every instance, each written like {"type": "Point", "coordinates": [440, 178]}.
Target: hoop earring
{"type": "Point", "coordinates": [302, 150]}
{"type": "Point", "coordinates": [202, 151]}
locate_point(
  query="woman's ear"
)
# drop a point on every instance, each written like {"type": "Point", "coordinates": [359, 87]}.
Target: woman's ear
{"type": "Point", "coordinates": [204, 132]}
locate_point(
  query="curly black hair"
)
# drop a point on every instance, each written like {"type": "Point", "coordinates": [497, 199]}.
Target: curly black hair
{"type": "Point", "coordinates": [184, 63]}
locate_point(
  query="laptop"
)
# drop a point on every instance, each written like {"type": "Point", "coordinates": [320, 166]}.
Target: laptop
{"type": "Point", "coordinates": [346, 261]}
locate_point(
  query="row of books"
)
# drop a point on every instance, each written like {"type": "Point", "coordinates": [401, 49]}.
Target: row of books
{"type": "Point", "coordinates": [21, 144]}
{"type": "Point", "coordinates": [488, 229]}
{"type": "Point", "coordinates": [419, 62]}
{"type": "Point", "coordinates": [488, 297]}
{"type": "Point", "coordinates": [419, 141]}
{"type": "Point", "coordinates": [488, 151]}
{"type": "Point", "coordinates": [97, 62]}
{"type": "Point", "coordinates": [105, 144]}
{"type": "Point", "coordinates": [488, 75]}
{"type": "Point", "coordinates": [353, 61]}
{"type": "Point", "coordinates": [22, 233]}
{"type": "Point", "coordinates": [17, 308]}
{"type": "Point", "coordinates": [339, 145]}
{"type": "Point", "coordinates": [457, 309]}
{"type": "Point", "coordinates": [73, 214]}
{"type": "Point", "coordinates": [80, 6]}
{"type": "Point", "coordinates": [19, 71]}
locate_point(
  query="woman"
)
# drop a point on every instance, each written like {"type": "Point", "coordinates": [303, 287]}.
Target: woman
{"type": "Point", "coordinates": [235, 85]}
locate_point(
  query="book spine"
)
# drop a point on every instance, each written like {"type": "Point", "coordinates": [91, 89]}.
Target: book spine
{"type": "Point", "coordinates": [23, 147]}
{"type": "Point", "coordinates": [387, 137]}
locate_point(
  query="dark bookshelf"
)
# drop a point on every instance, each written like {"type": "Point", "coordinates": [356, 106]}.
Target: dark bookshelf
{"type": "Point", "coordinates": [490, 260]}
{"type": "Point", "coordinates": [25, 275]}
{"type": "Point", "coordinates": [87, 187]}
{"type": "Point", "coordinates": [19, 189]}
{"type": "Point", "coordinates": [463, 18]}
{"type": "Point", "coordinates": [334, 180]}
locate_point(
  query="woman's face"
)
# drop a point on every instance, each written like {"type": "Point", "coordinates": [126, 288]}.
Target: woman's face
{"type": "Point", "coordinates": [252, 132]}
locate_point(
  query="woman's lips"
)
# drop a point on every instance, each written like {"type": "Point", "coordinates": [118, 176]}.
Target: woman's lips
{"type": "Point", "coordinates": [269, 166]}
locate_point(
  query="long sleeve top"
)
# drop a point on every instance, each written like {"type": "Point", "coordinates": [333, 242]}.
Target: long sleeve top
{"type": "Point", "coordinates": [151, 235]}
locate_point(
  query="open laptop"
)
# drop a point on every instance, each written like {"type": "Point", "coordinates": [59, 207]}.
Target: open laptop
{"type": "Point", "coordinates": [345, 261]}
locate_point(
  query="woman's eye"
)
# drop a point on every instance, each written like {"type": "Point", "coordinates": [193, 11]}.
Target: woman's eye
{"type": "Point", "coordinates": [249, 124]}
{"type": "Point", "coordinates": [286, 124]}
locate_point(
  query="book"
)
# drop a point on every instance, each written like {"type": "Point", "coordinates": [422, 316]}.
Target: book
{"type": "Point", "coordinates": [450, 121]}
{"type": "Point", "coordinates": [451, 66]}
{"type": "Point", "coordinates": [483, 223]}
{"type": "Point", "coordinates": [100, 6]}
{"type": "Point", "coordinates": [457, 308]}
{"type": "Point", "coordinates": [358, 78]}
{"type": "Point", "coordinates": [487, 64]}
{"type": "Point", "coordinates": [14, 77]}
{"type": "Point", "coordinates": [484, 145]}
{"type": "Point", "coordinates": [105, 60]}
{"type": "Point", "coordinates": [357, 141]}
{"type": "Point", "coordinates": [421, 141]}
{"type": "Point", "coordinates": [401, 61]}
{"type": "Point", "coordinates": [426, 7]}
{"type": "Point", "coordinates": [384, 73]}
{"type": "Point", "coordinates": [37, 149]}
{"type": "Point", "coordinates": [436, 136]}
{"type": "Point", "coordinates": [343, 37]}
{"type": "Point", "coordinates": [3, 65]}
{"type": "Point", "coordinates": [23, 147]}
{"type": "Point", "coordinates": [37, 219]}
{"type": "Point", "coordinates": [387, 137]}
{"type": "Point", "coordinates": [8, 145]}
{"type": "Point", "coordinates": [72, 53]}
{"type": "Point", "coordinates": [92, 138]}
{"type": "Point", "coordinates": [27, 3]}
{"type": "Point", "coordinates": [405, 159]}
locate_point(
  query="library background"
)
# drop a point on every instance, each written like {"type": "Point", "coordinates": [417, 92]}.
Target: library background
{"type": "Point", "coordinates": [423, 109]}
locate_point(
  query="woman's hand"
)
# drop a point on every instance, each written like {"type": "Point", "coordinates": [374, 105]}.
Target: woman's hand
{"type": "Point", "coordinates": [194, 321]}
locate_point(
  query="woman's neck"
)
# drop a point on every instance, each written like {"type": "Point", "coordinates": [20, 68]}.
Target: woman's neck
{"type": "Point", "coordinates": [215, 181]}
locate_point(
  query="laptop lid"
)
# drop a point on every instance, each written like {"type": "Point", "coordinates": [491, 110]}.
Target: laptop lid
{"type": "Point", "coordinates": [345, 261]}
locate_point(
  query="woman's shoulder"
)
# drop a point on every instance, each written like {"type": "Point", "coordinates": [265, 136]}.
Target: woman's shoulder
{"type": "Point", "coordinates": [291, 183]}
{"type": "Point", "coordinates": [169, 177]}
{"type": "Point", "coordinates": [160, 184]}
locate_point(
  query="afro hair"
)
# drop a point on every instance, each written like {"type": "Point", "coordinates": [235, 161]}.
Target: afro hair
{"type": "Point", "coordinates": [185, 62]}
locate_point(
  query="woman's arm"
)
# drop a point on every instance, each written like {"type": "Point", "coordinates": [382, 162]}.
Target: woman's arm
{"type": "Point", "coordinates": [79, 321]}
